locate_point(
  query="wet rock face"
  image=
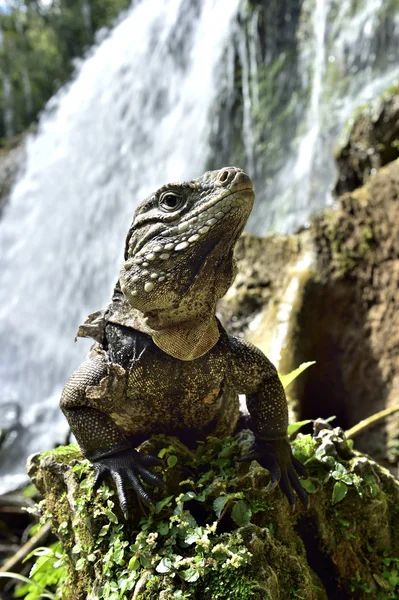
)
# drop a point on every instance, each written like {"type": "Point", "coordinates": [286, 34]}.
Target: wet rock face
{"type": "Point", "coordinates": [371, 142]}
{"type": "Point", "coordinates": [354, 320]}
{"type": "Point", "coordinates": [259, 279]}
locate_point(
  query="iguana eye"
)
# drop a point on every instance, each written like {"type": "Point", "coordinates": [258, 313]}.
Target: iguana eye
{"type": "Point", "coordinates": [170, 201]}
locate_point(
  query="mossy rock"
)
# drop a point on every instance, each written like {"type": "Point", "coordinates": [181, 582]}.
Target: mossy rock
{"type": "Point", "coordinates": [11, 162]}
{"type": "Point", "coordinates": [217, 531]}
{"type": "Point", "coordinates": [370, 141]}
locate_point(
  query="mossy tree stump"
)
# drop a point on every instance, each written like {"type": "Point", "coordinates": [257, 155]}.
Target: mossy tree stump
{"type": "Point", "coordinates": [218, 532]}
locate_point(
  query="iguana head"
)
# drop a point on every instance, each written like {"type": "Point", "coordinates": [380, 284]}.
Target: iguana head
{"type": "Point", "coordinates": [179, 249]}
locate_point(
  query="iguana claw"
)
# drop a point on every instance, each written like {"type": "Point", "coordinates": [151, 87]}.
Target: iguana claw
{"type": "Point", "coordinates": [124, 467]}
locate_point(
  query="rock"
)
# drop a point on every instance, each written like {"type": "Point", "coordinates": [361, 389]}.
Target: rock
{"type": "Point", "coordinates": [351, 312]}
{"type": "Point", "coordinates": [218, 532]}
{"type": "Point", "coordinates": [262, 303]}
{"type": "Point", "coordinates": [330, 294]}
{"type": "Point", "coordinates": [371, 141]}
{"type": "Point", "coordinates": [259, 276]}
{"type": "Point", "coordinates": [11, 161]}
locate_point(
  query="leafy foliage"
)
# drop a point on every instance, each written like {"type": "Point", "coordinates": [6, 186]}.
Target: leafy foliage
{"type": "Point", "coordinates": [391, 574]}
{"type": "Point", "coordinates": [323, 466]}
{"type": "Point", "coordinates": [49, 570]}
{"type": "Point", "coordinates": [171, 543]}
{"type": "Point", "coordinates": [178, 546]}
{"type": "Point", "coordinates": [39, 44]}
{"type": "Point", "coordinates": [388, 581]}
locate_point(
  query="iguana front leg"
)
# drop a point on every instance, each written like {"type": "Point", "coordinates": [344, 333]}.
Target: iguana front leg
{"type": "Point", "coordinates": [95, 383]}
{"type": "Point", "coordinates": [251, 373]}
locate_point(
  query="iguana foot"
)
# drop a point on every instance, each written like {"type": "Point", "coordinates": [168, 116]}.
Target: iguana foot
{"type": "Point", "coordinates": [125, 467]}
{"type": "Point", "coordinates": [277, 457]}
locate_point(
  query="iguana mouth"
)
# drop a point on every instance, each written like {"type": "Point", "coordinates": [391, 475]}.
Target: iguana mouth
{"type": "Point", "coordinates": [221, 200]}
{"type": "Point", "coordinates": [215, 201]}
{"type": "Point", "coordinates": [201, 220]}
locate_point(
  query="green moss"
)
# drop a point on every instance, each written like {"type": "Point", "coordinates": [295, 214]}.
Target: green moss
{"type": "Point", "coordinates": [349, 247]}
{"type": "Point", "coordinates": [387, 579]}
{"type": "Point", "coordinates": [65, 454]}
{"type": "Point", "coordinates": [191, 551]}
{"type": "Point", "coordinates": [393, 90]}
{"type": "Point", "coordinates": [220, 585]}
{"type": "Point", "coordinates": [272, 113]}
{"type": "Point", "coordinates": [363, 111]}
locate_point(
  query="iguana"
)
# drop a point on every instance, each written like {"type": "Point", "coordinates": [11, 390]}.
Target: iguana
{"type": "Point", "coordinates": [162, 363]}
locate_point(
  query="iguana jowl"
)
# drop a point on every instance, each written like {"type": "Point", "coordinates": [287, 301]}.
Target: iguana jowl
{"type": "Point", "coordinates": [162, 362]}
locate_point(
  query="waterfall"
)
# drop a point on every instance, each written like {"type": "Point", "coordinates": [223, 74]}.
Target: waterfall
{"type": "Point", "coordinates": [135, 117]}
{"type": "Point", "coordinates": [348, 54]}
{"type": "Point", "coordinates": [176, 87]}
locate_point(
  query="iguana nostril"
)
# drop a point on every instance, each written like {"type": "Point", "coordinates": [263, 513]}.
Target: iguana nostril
{"type": "Point", "coordinates": [232, 176]}
{"type": "Point", "coordinates": [226, 176]}
{"type": "Point", "coordinates": [241, 178]}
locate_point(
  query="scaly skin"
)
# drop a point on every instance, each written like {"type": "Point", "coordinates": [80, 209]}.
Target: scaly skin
{"type": "Point", "coordinates": [162, 362]}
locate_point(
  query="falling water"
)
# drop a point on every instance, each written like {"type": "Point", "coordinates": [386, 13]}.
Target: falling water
{"type": "Point", "coordinates": [145, 109]}
{"type": "Point", "coordinates": [307, 145]}
{"type": "Point", "coordinates": [135, 117]}
{"type": "Point", "coordinates": [348, 55]}
{"type": "Point", "coordinates": [247, 101]}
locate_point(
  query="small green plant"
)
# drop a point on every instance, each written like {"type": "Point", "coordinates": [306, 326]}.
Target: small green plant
{"type": "Point", "coordinates": [324, 466]}
{"type": "Point", "coordinates": [171, 543]}
{"type": "Point", "coordinates": [390, 572]}
{"type": "Point", "coordinates": [290, 377]}
{"type": "Point", "coordinates": [357, 584]}
{"type": "Point", "coordinates": [48, 571]}
{"type": "Point", "coordinates": [387, 580]}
